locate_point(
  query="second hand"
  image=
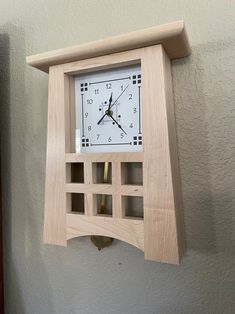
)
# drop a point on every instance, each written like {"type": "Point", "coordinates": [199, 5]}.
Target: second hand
{"type": "Point", "coordinates": [119, 96]}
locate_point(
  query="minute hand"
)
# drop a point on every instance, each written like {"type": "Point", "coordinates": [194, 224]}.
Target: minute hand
{"type": "Point", "coordinates": [117, 124]}
{"type": "Point", "coordinates": [119, 96]}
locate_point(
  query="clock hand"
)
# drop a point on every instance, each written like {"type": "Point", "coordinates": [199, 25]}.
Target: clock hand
{"type": "Point", "coordinates": [119, 96]}
{"type": "Point", "coordinates": [102, 118]}
{"type": "Point", "coordinates": [117, 123]}
{"type": "Point", "coordinates": [107, 112]}
{"type": "Point", "coordinates": [110, 101]}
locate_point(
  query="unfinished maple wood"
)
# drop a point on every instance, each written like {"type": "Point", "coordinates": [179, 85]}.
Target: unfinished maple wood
{"type": "Point", "coordinates": [171, 36]}
{"type": "Point", "coordinates": [176, 180]}
{"type": "Point", "coordinates": [89, 204]}
{"type": "Point", "coordinates": [117, 197]}
{"type": "Point", "coordinates": [127, 230]}
{"type": "Point", "coordinates": [102, 157]}
{"type": "Point", "coordinates": [71, 117]}
{"type": "Point", "coordinates": [55, 197]}
{"type": "Point", "coordinates": [162, 240]}
{"type": "Point", "coordinates": [114, 189]}
{"type": "Point", "coordinates": [160, 232]}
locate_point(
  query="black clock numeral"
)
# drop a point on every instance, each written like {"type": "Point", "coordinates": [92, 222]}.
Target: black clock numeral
{"type": "Point", "coordinates": [86, 114]}
{"type": "Point", "coordinates": [96, 91]}
{"type": "Point", "coordinates": [134, 110]}
{"type": "Point", "coordinates": [131, 125]}
{"type": "Point", "coordinates": [121, 135]}
{"type": "Point", "coordinates": [109, 85]}
{"type": "Point", "coordinates": [97, 136]}
{"type": "Point", "coordinates": [122, 87]}
{"type": "Point", "coordinates": [89, 128]}
{"type": "Point", "coordinates": [110, 139]}
{"type": "Point", "coordinates": [89, 101]}
{"type": "Point", "coordinates": [130, 96]}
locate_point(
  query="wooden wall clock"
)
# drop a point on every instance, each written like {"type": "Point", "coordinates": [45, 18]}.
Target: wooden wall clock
{"type": "Point", "coordinates": [112, 165]}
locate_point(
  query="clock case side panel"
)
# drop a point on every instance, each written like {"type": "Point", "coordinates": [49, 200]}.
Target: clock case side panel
{"type": "Point", "coordinates": [55, 196]}
{"type": "Point", "coordinates": [175, 168]}
{"type": "Point", "coordinates": [162, 192]}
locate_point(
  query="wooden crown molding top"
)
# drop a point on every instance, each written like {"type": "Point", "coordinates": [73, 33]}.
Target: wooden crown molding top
{"type": "Point", "coordinates": [171, 36]}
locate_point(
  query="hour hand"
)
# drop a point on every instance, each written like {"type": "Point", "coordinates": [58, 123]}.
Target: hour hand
{"type": "Point", "coordinates": [110, 101]}
{"type": "Point", "coordinates": [101, 119]}
{"type": "Point", "coordinates": [107, 112]}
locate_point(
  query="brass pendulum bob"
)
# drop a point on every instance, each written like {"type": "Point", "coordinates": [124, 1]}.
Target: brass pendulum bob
{"type": "Point", "coordinates": [100, 241]}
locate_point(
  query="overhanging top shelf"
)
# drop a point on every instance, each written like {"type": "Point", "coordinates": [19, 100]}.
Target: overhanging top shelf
{"type": "Point", "coordinates": [171, 36]}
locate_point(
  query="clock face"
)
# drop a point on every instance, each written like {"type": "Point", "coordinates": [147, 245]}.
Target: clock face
{"type": "Point", "coordinates": [108, 110]}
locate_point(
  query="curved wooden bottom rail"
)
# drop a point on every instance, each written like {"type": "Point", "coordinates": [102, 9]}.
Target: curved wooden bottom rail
{"type": "Point", "coordinates": [127, 230]}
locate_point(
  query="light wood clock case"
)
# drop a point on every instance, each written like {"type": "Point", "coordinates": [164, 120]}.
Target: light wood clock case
{"type": "Point", "coordinates": [112, 166]}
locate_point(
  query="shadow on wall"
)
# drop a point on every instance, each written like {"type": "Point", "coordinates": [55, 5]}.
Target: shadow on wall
{"type": "Point", "coordinates": [208, 204]}
{"type": "Point", "coordinates": [20, 230]}
{"type": "Point", "coordinates": [4, 100]}
{"type": "Point", "coordinates": [10, 274]}
{"type": "Point", "coordinates": [193, 153]}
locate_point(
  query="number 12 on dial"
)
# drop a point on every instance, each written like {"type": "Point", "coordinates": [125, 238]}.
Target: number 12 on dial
{"type": "Point", "coordinates": [108, 110]}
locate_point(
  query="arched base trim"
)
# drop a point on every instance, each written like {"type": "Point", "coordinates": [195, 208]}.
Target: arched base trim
{"type": "Point", "coordinates": [127, 230]}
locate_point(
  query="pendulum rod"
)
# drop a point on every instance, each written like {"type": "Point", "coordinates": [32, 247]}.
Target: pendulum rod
{"type": "Point", "coordinates": [100, 241]}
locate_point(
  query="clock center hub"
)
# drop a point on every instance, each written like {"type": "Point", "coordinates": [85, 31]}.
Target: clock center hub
{"type": "Point", "coordinates": [109, 112]}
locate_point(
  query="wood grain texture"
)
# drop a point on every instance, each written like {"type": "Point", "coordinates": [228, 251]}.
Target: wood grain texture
{"type": "Point", "coordinates": [55, 198]}
{"type": "Point", "coordinates": [89, 208]}
{"type": "Point", "coordinates": [171, 36]}
{"type": "Point", "coordinates": [71, 116]}
{"type": "Point", "coordinates": [120, 59]}
{"type": "Point", "coordinates": [132, 190]}
{"type": "Point", "coordinates": [160, 232]}
{"type": "Point", "coordinates": [127, 230]}
{"type": "Point", "coordinates": [161, 236]}
{"type": "Point", "coordinates": [117, 197]}
{"type": "Point", "coordinates": [161, 240]}
{"type": "Point", "coordinates": [102, 157]}
{"type": "Point", "coordinates": [175, 169]}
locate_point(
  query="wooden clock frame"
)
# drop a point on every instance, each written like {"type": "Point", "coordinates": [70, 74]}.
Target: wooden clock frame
{"type": "Point", "coordinates": [160, 232]}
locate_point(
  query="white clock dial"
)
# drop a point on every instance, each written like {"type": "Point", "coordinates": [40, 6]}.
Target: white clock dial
{"type": "Point", "coordinates": [108, 110]}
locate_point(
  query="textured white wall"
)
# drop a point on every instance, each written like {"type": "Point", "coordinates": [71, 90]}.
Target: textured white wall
{"type": "Point", "coordinates": [42, 279]}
